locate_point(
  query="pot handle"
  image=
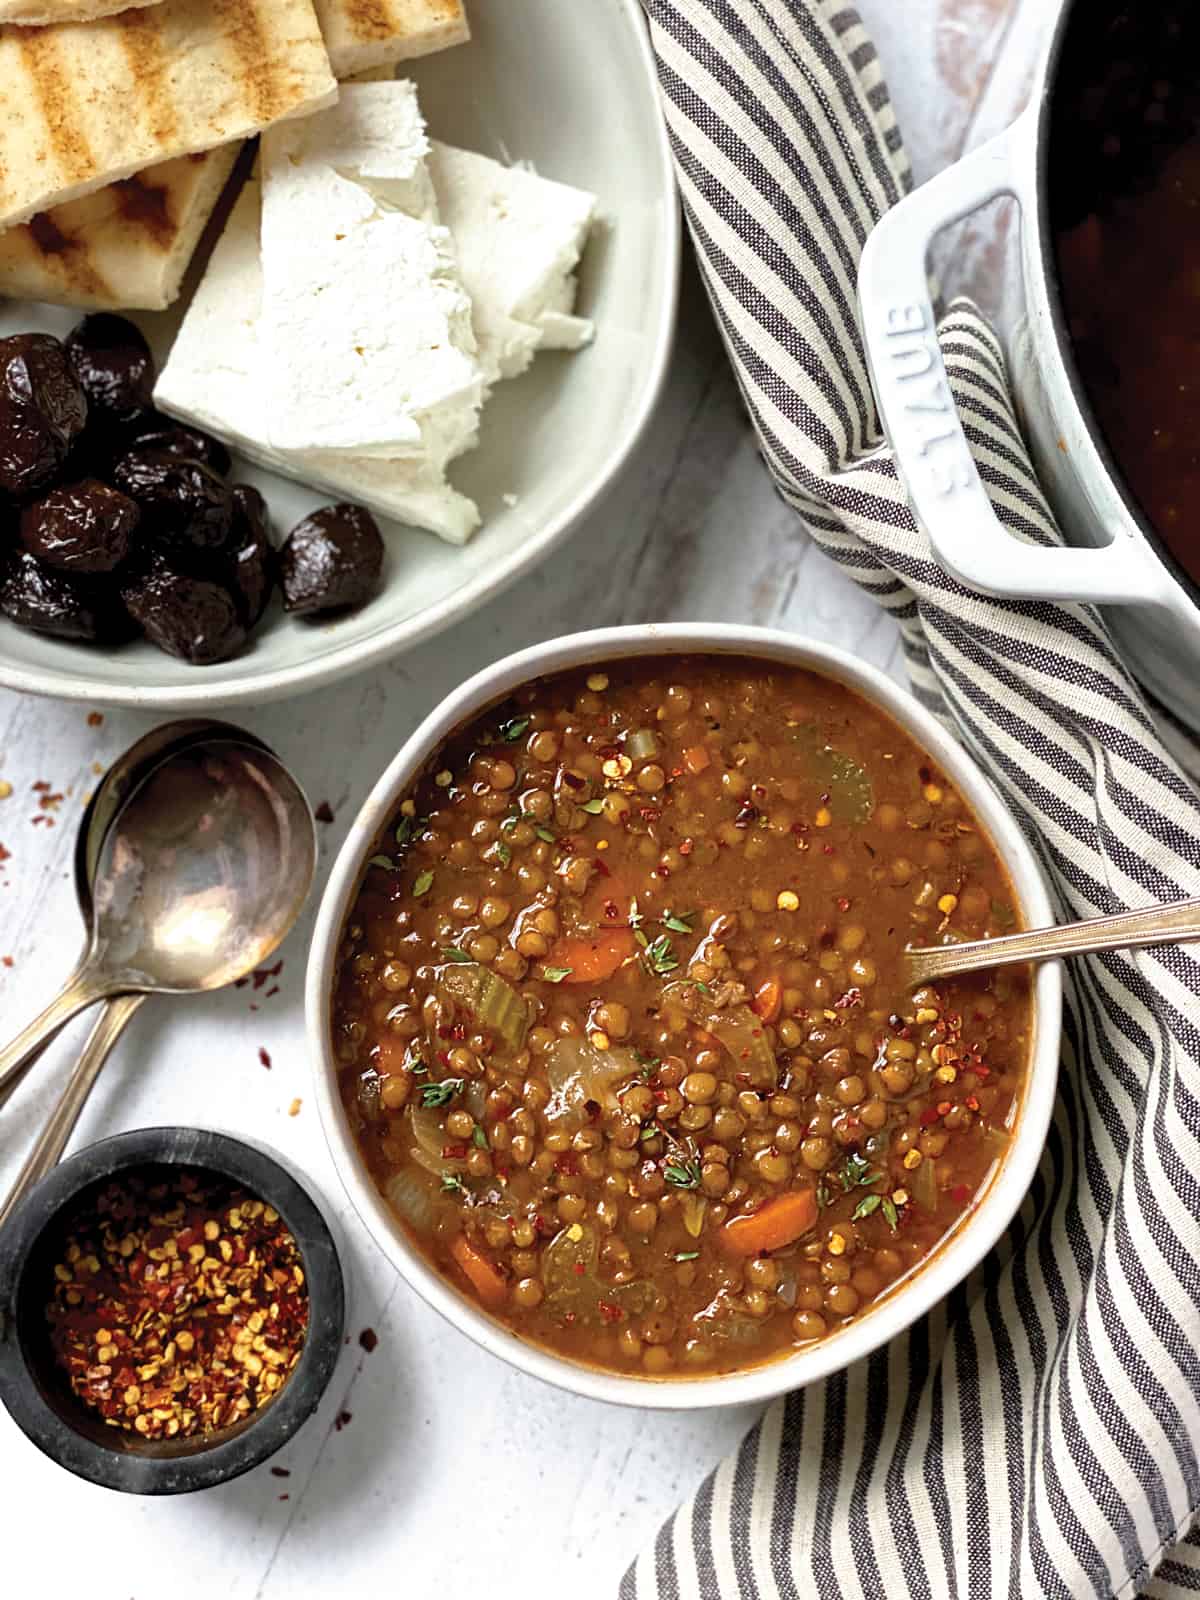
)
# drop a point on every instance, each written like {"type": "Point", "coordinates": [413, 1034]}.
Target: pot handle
{"type": "Point", "coordinates": [920, 417]}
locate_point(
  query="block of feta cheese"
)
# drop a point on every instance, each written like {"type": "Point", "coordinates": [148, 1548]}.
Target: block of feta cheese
{"type": "Point", "coordinates": [215, 378]}
{"type": "Point", "coordinates": [519, 238]}
{"type": "Point", "coordinates": [362, 304]}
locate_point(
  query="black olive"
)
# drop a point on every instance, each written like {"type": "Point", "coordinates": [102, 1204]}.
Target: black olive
{"type": "Point", "coordinates": [251, 557]}
{"type": "Point", "coordinates": [42, 411]}
{"type": "Point", "coordinates": [80, 527]}
{"type": "Point", "coordinates": [113, 363]}
{"type": "Point", "coordinates": [185, 505]}
{"type": "Point", "coordinates": [177, 439]}
{"type": "Point", "coordinates": [331, 561]}
{"type": "Point", "coordinates": [189, 617]}
{"type": "Point", "coordinates": [37, 597]}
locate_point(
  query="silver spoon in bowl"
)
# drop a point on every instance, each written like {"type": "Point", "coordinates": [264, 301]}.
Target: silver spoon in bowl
{"type": "Point", "coordinates": [114, 788]}
{"type": "Point", "coordinates": [200, 876]}
{"type": "Point", "coordinates": [1175, 923]}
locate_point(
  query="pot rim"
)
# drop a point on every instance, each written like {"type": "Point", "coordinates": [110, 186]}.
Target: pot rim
{"type": "Point", "coordinates": [958, 1255]}
{"type": "Point", "coordinates": [1056, 306]}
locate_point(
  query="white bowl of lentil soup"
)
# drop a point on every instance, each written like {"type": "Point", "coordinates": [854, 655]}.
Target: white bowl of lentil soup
{"type": "Point", "coordinates": [611, 1037]}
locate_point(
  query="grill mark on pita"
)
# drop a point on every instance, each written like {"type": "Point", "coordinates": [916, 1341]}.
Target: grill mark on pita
{"type": "Point", "coordinates": [262, 86]}
{"type": "Point", "coordinates": [144, 48]}
{"type": "Point", "coordinates": [146, 206]}
{"type": "Point", "coordinates": [369, 19]}
{"type": "Point", "coordinates": [63, 256]}
{"type": "Point", "coordinates": [52, 87]}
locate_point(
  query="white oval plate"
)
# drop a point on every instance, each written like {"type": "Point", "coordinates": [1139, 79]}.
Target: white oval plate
{"type": "Point", "coordinates": [573, 90]}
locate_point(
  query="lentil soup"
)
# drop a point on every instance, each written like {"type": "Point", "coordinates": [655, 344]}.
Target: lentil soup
{"type": "Point", "coordinates": [621, 1021]}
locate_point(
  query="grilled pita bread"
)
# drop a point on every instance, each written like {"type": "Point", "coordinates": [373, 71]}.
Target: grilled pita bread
{"type": "Point", "coordinates": [82, 104]}
{"type": "Point", "coordinates": [373, 33]}
{"type": "Point", "coordinates": [125, 247]}
{"type": "Point", "coordinates": [37, 13]}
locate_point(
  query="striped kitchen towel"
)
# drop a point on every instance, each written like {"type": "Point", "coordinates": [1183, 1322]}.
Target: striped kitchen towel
{"type": "Point", "coordinates": [1039, 1435]}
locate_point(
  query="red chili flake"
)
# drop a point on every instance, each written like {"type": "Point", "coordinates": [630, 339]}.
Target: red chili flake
{"type": "Point", "coordinates": [972, 1103]}
{"type": "Point", "coordinates": [741, 1077]}
{"type": "Point", "coordinates": [961, 1193]}
{"type": "Point", "coordinates": [8, 961]}
{"type": "Point", "coordinates": [569, 1319]}
{"type": "Point", "coordinates": [981, 1071]}
{"type": "Point", "coordinates": [566, 1163]}
{"type": "Point", "coordinates": [274, 989]}
{"type": "Point", "coordinates": [843, 902]}
{"type": "Point", "coordinates": [280, 1472]}
{"type": "Point", "coordinates": [263, 975]}
{"type": "Point", "coordinates": [929, 1116]}
{"type": "Point", "coordinates": [5, 855]}
{"type": "Point", "coordinates": [444, 1057]}
{"type": "Point", "coordinates": [95, 718]}
{"type": "Point", "coordinates": [944, 1108]}
{"type": "Point", "coordinates": [40, 787]}
{"type": "Point", "coordinates": [686, 846]}
{"type": "Point", "coordinates": [608, 1311]}
{"type": "Point", "coordinates": [541, 1226]}
{"type": "Point", "coordinates": [573, 780]}
{"type": "Point", "coordinates": [42, 817]}
{"type": "Point", "coordinates": [827, 849]}
{"type": "Point", "coordinates": [454, 1152]}
{"type": "Point", "coordinates": [264, 1058]}
{"type": "Point", "coordinates": [649, 815]}
{"type": "Point", "coordinates": [611, 909]}
{"type": "Point", "coordinates": [344, 1419]}
{"type": "Point", "coordinates": [324, 812]}
{"type": "Point", "coordinates": [50, 802]}
{"type": "Point", "coordinates": [600, 867]}
{"type": "Point", "coordinates": [852, 997]}
{"type": "Point", "coordinates": [285, 1497]}
{"type": "Point", "coordinates": [677, 772]}
{"type": "Point", "coordinates": [578, 1269]}
{"type": "Point", "coordinates": [368, 1338]}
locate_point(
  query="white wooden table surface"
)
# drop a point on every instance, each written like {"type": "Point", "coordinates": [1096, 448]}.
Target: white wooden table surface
{"type": "Point", "coordinates": [455, 1475]}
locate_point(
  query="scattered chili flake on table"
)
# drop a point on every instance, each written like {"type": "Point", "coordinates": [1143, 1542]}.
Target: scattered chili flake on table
{"type": "Point", "coordinates": [265, 1057]}
{"type": "Point", "coordinates": [368, 1338]}
{"type": "Point", "coordinates": [324, 812]}
{"type": "Point", "coordinates": [180, 1304]}
{"type": "Point", "coordinates": [95, 718]}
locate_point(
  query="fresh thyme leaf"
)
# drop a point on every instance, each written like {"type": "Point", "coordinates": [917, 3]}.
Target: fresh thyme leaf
{"type": "Point", "coordinates": [648, 1132]}
{"type": "Point", "coordinates": [888, 1207]}
{"type": "Point", "coordinates": [452, 1184]}
{"type": "Point", "coordinates": [635, 916]}
{"type": "Point", "coordinates": [409, 828]}
{"type": "Point", "coordinates": [682, 1174]}
{"type": "Point", "coordinates": [480, 1138]}
{"type": "Point", "coordinates": [679, 924]}
{"type": "Point", "coordinates": [688, 1255]}
{"type": "Point", "coordinates": [502, 853]}
{"type": "Point", "coordinates": [415, 1065]}
{"type": "Point", "coordinates": [385, 862]}
{"type": "Point", "coordinates": [641, 938]}
{"type": "Point", "coordinates": [593, 807]}
{"type": "Point", "coordinates": [824, 1198]}
{"type": "Point", "coordinates": [855, 1172]}
{"type": "Point", "coordinates": [422, 884]}
{"type": "Point", "coordinates": [556, 974]}
{"type": "Point", "coordinates": [510, 821]}
{"type": "Point", "coordinates": [544, 833]}
{"type": "Point", "coordinates": [661, 957]}
{"type": "Point", "coordinates": [440, 1094]}
{"type": "Point", "coordinates": [864, 1208]}
{"type": "Point", "coordinates": [512, 730]}
{"type": "Point", "coordinates": [453, 953]}
{"type": "Point", "coordinates": [648, 1064]}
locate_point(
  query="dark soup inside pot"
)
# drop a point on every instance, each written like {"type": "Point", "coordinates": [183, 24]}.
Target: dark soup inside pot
{"type": "Point", "coordinates": [1125, 206]}
{"type": "Point", "coordinates": [621, 1016]}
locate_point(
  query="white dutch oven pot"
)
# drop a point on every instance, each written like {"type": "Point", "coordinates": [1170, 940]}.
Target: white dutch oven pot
{"type": "Point", "coordinates": [1115, 558]}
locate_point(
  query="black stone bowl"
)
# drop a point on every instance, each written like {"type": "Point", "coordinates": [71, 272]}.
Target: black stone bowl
{"type": "Point", "coordinates": [34, 1388]}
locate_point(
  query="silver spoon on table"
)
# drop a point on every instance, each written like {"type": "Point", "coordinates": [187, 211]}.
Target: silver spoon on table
{"type": "Point", "coordinates": [199, 877]}
{"type": "Point", "coordinates": [114, 788]}
{"type": "Point", "coordinates": [1175, 923]}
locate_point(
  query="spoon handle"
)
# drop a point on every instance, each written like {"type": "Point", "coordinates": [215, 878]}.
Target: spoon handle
{"type": "Point", "coordinates": [81, 991]}
{"type": "Point", "coordinates": [52, 1140]}
{"type": "Point", "coordinates": [1177, 923]}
